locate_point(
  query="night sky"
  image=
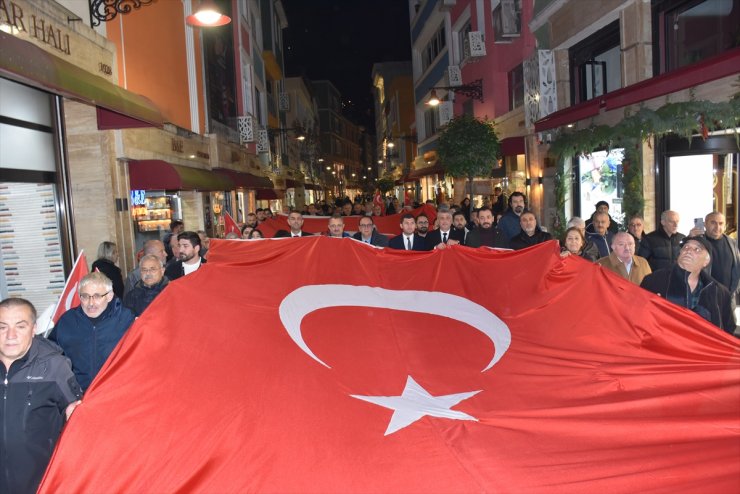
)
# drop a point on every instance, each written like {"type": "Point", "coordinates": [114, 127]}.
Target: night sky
{"type": "Point", "coordinates": [340, 40]}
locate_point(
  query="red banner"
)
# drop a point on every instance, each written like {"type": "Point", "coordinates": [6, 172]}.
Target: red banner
{"type": "Point", "coordinates": [339, 367]}
{"type": "Point", "coordinates": [388, 225]}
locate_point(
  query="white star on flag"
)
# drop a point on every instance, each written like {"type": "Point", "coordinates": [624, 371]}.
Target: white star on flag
{"type": "Point", "coordinates": [415, 402]}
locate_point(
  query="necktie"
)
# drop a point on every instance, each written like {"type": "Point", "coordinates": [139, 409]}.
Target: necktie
{"type": "Point", "coordinates": [444, 237]}
{"type": "Point", "coordinates": [408, 243]}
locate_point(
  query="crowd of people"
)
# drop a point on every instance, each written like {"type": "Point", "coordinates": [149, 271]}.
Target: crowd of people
{"type": "Point", "coordinates": [46, 378]}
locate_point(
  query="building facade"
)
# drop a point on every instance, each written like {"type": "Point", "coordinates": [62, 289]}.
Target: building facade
{"type": "Point", "coordinates": [552, 72]}
{"type": "Point", "coordinates": [110, 129]}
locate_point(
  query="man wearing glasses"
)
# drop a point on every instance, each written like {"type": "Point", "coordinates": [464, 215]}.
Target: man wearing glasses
{"type": "Point", "coordinates": [368, 235]}
{"type": "Point", "coordinates": [89, 333]}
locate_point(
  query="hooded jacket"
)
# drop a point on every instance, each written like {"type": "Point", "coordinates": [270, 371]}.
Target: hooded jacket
{"type": "Point", "coordinates": [36, 391]}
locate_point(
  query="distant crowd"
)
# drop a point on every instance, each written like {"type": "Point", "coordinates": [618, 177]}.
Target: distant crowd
{"type": "Point", "coordinates": [699, 271]}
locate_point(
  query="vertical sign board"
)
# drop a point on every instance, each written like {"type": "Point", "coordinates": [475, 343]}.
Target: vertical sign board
{"type": "Point", "coordinates": [30, 245]}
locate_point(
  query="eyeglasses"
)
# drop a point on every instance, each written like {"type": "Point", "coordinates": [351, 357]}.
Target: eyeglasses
{"type": "Point", "coordinates": [95, 297]}
{"type": "Point", "coordinates": [151, 270]}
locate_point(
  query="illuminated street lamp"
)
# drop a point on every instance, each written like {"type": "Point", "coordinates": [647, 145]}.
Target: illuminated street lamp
{"type": "Point", "coordinates": [473, 90]}
{"type": "Point", "coordinates": [207, 15]}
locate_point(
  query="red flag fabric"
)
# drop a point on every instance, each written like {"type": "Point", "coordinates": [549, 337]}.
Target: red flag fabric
{"type": "Point", "coordinates": [70, 298]}
{"type": "Point", "coordinates": [230, 225]}
{"type": "Point", "coordinates": [388, 225]}
{"type": "Point", "coordinates": [378, 201]}
{"type": "Point", "coordinates": [339, 367]}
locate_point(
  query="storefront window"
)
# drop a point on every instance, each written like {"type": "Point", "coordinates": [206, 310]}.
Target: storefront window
{"type": "Point", "coordinates": [600, 180]}
{"type": "Point", "coordinates": [700, 177]}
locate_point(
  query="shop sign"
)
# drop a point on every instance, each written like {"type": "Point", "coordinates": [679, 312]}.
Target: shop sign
{"type": "Point", "coordinates": [138, 197]}
{"type": "Point", "coordinates": [43, 30]}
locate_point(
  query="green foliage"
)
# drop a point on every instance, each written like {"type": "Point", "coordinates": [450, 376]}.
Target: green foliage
{"type": "Point", "coordinates": [468, 147]}
{"type": "Point", "coordinates": [683, 119]}
{"type": "Point", "coordinates": [386, 183]}
{"type": "Point", "coordinates": [634, 200]}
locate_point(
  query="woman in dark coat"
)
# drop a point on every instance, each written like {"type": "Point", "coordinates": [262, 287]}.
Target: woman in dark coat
{"type": "Point", "coordinates": [106, 264]}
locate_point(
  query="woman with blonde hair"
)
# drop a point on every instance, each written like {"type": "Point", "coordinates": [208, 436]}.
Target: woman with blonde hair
{"type": "Point", "coordinates": [106, 264]}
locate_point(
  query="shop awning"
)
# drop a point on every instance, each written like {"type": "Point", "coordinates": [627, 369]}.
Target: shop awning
{"type": "Point", "coordinates": [512, 146]}
{"type": "Point", "coordinates": [435, 169]}
{"type": "Point", "coordinates": [312, 187]}
{"type": "Point", "coordinates": [268, 194]}
{"type": "Point", "coordinates": [291, 184]}
{"type": "Point", "coordinates": [245, 180]}
{"type": "Point", "coordinates": [161, 175]}
{"type": "Point", "coordinates": [27, 63]}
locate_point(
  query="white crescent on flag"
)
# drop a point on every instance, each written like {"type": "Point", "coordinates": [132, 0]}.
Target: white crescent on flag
{"type": "Point", "coordinates": [306, 299]}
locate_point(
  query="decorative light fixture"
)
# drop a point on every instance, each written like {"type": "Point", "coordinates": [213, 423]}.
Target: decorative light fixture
{"type": "Point", "coordinates": [107, 10]}
{"type": "Point", "coordinates": [473, 90]}
{"type": "Point", "coordinates": [391, 144]}
{"type": "Point", "coordinates": [207, 15]}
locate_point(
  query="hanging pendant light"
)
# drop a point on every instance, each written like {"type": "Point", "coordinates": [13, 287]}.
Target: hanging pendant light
{"type": "Point", "coordinates": [433, 99]}
{"type": "Point", "coordinates": [208, 15]}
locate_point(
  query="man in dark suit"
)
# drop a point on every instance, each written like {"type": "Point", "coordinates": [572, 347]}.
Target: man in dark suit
{"type": "Point", "coordinates": [442, 236]}
{"type": "Point", "coordinates": [295, 221]}
{"type": "Point", "coordinates": [369, 235]}
{"type": "Point", "coordinates": [408, 239]}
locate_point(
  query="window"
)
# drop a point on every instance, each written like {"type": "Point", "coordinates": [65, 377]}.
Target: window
{"type": "Point", "coordinates": [432, 50]}
{"type": "Point", "coordinates": [464, 41]}
{"type": "Point", "coordinates": [431, 118]}
{"type": "Point", "coordinates": [507, 20]}
{"type": "Point", "coordinates": [693, 30]}
{"type": "Point", "coordinates": [516, 87]}
{"type": "Point", "coordinates": [595, 64]}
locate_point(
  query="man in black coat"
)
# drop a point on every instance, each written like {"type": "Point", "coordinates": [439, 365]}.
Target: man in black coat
{"type": "Point", "coordinates": [39, 393]}
{"type": "Point", "coordinates": [408, 239]}
{"type": "Point", "coordinates": [150, 285]}
{"type": "Point", "coordinates": [295, 221]}
{"type": "Point", "coordinates": [661, 247]}
{"type": "Point", "coordinates": [486, 234]}
{"type": "Point", "coordinates": [531, 233]}
{"type": "Point", "coordinates": [686, 284]}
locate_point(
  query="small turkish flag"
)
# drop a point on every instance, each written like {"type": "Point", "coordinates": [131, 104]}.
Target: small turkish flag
{"type": "Point", "coordinates": [230, 225]}
{"type": "Point", "coordinates": [70, 297]}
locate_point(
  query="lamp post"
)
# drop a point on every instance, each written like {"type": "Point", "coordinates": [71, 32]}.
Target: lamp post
{"type": "Point", "coordinates": [473, 90]}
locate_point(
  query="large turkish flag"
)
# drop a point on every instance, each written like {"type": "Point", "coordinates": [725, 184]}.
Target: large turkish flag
{"type": "Point", "coordinates": [326, 365]}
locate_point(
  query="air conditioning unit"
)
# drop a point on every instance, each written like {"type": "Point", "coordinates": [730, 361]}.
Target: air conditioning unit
{"type": "Point", "coordinates": [507, 21]}
{"type": "Point", "coordinates": [477, 46]}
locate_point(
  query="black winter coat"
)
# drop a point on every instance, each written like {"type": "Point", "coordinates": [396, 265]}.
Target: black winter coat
{"type": "Point", "coordinates": [714, 299]}
{"type": "Point", "coordinates": [660, 250]}
{"type": "Point", "coordinates": [140, 296]}
{"type": "Point", "coordinates": [36, 390]}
